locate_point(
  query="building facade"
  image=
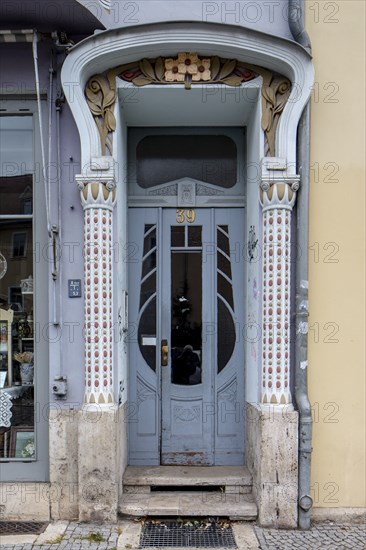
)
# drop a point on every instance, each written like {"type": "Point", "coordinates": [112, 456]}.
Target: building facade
{"type": "Point", "coordinates": [155, 255]}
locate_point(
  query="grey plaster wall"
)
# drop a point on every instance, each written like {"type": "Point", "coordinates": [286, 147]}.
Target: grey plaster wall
{"type": "Point", "coordinates": [269, 16]}
{"type": "Point", "coordinates": [72, 263]}
{"type": "Point", "coordinates": [66, 340]}
{"type": "Point", "coordinates": [17, 69]}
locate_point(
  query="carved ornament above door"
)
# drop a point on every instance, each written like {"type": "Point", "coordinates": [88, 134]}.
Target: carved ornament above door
{"type": "Point", "coordinates": [188, 69]}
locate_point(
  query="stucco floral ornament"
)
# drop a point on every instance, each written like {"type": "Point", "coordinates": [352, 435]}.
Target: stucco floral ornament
{"type": "Point", "coordinates": [187, 67]}
{"type": "Point", "coordinates": [204, 72]}
{"type": "Point", "coordinates": [101, 101]}
{"type": "Point", "coordinates": [275, 93]}
{"type": "Point", "coordinates": [172, 73]}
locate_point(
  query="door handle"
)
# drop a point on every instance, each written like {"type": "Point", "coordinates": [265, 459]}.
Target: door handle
{"type": "Point", "coordinates": [164, 353]}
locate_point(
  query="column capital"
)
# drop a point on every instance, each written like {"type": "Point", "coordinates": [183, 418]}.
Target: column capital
{"type": "Point", "coordinates": [280, 194]}
{"type": "Point", "coordinates": [96, 193]}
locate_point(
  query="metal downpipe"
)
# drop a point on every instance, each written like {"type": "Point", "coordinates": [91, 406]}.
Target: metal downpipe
{"type": "Point", "coordinates": [305, 501]}
{"type": "Point", "coordinates": [302, 312]}
{"type": "Point", "coordinates": [296, 23]}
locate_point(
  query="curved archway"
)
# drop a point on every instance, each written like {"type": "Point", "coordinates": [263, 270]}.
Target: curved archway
{"type": "Point", "coordinates": [114, 48]}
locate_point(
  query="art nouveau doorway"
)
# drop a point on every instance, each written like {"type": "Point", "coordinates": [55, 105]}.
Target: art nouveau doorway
{"type": "Point", "coordinates": [105, 106]}
{"type": "Point", "coordinates": [186, 301]}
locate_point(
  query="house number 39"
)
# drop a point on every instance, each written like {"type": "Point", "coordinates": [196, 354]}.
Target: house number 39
{"type": "Point", "coordinates": [185, 215]}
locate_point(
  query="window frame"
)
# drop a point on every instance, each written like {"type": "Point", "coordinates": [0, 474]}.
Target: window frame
{"type": "Point", "coordinates": [13, 470]}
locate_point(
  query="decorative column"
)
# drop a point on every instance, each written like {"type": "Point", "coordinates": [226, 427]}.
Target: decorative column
{"type": "Point", "coordinates": [273, 430]}
{"type": "Point", "coordinates": [98, 200]}
{"type": "Point", "coordinates": [277, 199]}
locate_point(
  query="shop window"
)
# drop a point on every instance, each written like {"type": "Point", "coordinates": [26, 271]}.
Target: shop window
{"type": "Point", "coordinates": [17, 353]}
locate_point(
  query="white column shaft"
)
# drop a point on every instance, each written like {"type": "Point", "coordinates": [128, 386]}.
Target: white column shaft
{"type": "Point", "coordinates": [98, 203]}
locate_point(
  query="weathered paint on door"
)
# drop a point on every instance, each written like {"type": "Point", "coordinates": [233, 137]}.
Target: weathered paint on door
{"type": "Point", "coordinates": [186, 287]}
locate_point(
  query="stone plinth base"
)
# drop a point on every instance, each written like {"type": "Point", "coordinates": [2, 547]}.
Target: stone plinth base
{"type": "Point", "coordinates": [272, 459]}
{"type": "Point", "coordinates": [64, 495]}
{"type": "Point", "coordinates": [99, 467]}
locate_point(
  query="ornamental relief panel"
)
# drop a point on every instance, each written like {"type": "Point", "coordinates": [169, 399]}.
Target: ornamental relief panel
{"type": "Point", "coordinates": [187, 414]}
{"type": "Point", "coordinates": [200, 191]}
{"type": "Point", "coordinates": [144, 392]}
{"type": "Point", "coordinates": [229, 393]}
{"type": "Point", "coordinates": [187, 68]}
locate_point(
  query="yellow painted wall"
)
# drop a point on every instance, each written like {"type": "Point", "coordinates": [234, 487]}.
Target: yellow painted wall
{"type": "Point", "coordinates": [337, 252]}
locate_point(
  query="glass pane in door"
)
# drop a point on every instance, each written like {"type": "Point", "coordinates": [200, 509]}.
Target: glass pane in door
{"type": "Point", "coordinates": [186, 317]}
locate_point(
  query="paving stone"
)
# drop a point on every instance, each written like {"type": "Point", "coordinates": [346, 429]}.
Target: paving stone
{"type": "Point", "coordinates": [322, 536]}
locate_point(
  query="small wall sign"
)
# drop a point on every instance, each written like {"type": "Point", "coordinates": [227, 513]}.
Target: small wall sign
{"type": "Point", "coordinates": [74, 286]}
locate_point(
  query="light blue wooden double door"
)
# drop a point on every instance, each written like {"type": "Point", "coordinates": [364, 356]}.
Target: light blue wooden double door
{"type": "Point", "coordinates": [186, 346]}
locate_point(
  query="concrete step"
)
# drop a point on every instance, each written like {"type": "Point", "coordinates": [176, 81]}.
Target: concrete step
{"type": "Point", "coordinates": [198, 476]}
{"type": "Point", "coordinates": [183, 503]}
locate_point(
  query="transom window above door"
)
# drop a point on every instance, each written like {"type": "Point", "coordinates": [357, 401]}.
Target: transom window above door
{"type": "Point", "coordinates": [208, 158]}
{"type": "Point", "coordinates": [186, 166]}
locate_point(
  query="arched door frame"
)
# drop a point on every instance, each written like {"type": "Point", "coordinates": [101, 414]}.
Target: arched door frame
{"type": "Point", "coordinates": [113, 48]}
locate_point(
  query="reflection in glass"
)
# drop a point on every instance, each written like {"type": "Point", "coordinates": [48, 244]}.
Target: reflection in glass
{"type": "Point", "coordinates": [149, 263]}
{"type": "Point", "coordinates": [195, 235]}
{"type": "Point", "coordinates": [186, 320]}
{"type": "Point", "coordinates": [223, 264]}
{"type": "Point", "coordinates": [225, 289]}
{"type": "Point", "coordinates": [225, 335]}
{"type": "Point", "coordinates": [148, 272]}
{"type": "Point", "coordinates": [147, 334]}
{"type": "Point", "coordinates": [149, 238]}
{"type": "Point", "coordinates": [223, 240]}
{"type": "Point", "coordinates": [177, 235]}
{"type": "Point", "coordinates": [225, 324]}
{"type": "Point", "coordinates": [16, 194]}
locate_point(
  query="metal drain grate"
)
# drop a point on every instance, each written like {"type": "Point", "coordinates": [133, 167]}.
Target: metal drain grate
{"type": "Point", "coordinates": [22, 527]}
{"type": "Point", "coordinates": [187, 534]}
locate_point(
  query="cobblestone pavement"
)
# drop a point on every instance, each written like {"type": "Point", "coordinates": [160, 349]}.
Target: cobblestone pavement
{"type": "Point", "coordinates": [322, 536]}
{"type": "Point", "coordinates": [78, 536]}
